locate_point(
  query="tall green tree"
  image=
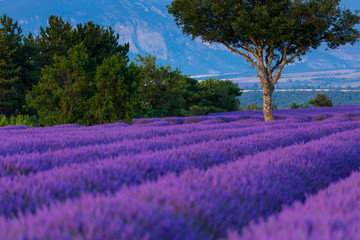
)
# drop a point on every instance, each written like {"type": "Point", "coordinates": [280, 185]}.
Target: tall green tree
{"type": "Point", "coordinates": [66, 94]}
{"type": "Point", "coordinates": [11, 89]}
{"type": "Point", "coordinates": [62, 93]}
{"type": "Point", "coordinates": [116, 96]}
{"type": "Point", "coordinates": [54, 40]}
{"type": "Point", "coordinates": [268, 33]}
{"type": "Point", "coordinates": [162, 89]}
{"type": "Point", "coordinates": [30, 69]}
{"type": "Point", "coordinates": [101, 42]}
{"type": "Point", "coordinates": [59, 36]}
{"type": "Point", "coordinates": [221, 95]}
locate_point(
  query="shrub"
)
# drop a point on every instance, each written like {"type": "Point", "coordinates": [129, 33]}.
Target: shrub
{"type": "Point", "coordinates": [192, 120]}
{"type": "Point", "coordinates": [198, 110]}
{"type": "Point", "coordinates": [23, 120]}
{"type": "Point", "coordinates": [321, 100]}
{"type": "Point", "coordinates": [294, 106]}
{"type": "Point", "coordinates": [320, 117]}
{"type": "Point", "coordinates": [4, 122]}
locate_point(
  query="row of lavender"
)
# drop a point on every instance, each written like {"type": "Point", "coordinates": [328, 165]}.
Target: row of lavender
{"type": "Point", "coordinates": [332, 214]}
{"type": "Point", "coordinates": [21, 139]}
{"type": "Point", "coordinates": [198, 204]}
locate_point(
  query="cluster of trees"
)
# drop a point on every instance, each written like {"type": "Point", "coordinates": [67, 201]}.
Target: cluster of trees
{"type": "Point", "coordinates": [321, 100]}
{"type": "Point", "coordinates": [166, 92]}
{"type": "Point", "coordinates": [83, 75]}
{"type": "Point", "coordinates": [294, 105]}
{"type": "Point", "coordinates": [301, 98]}
{"type": "Point", "coordinates": [253, 107]}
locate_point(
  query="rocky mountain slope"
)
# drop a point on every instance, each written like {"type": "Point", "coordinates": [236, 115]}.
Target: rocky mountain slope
{"type": "Point", "coordinates": [147, 26]}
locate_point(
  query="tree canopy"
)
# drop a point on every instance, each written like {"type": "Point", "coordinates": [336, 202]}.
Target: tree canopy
{"type": "Point", "coordinates": [268, 33]}
{"type": "Point", "coordinates": [11, 88]}
{"type": "Point", "coordinates": [66, 93]}
{"type": "Point", "coordinates": [321, 100]}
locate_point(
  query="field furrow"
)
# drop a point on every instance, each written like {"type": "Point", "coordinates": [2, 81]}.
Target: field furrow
{"type": "Point", "coordinates": [332, 214]}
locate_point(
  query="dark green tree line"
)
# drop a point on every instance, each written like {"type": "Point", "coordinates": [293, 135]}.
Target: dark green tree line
{"type": "Point", "coordinates": [83, 75]}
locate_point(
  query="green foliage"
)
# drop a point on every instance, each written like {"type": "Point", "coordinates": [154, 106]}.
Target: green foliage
{"type": "Point", "coordinates": [283, 98]}
{"type": "Point", "coordinates": [166, 92]}
{"type": "Point", "coordinates": [59, 36]}
{"type": "Point", "coordinates": [81, 75]}
{"type": "Point", "coordinates": [244, 23]}
{"type": "Point", "coordinates": [84, 77]}
{"type": "Point", "coordinates": [268, 34]}
{"type": "Point", "coordinates": [191, 120]}
{"type": "Point", "coordinates": [219, 95]}
{"type": "Point", "coordinates": [30, 69]}
{"type": "Point", "coordinates": [18, 120]}
{"type": "Point", "coordinates": [252, 107]}
{"type": "Point", "coordinates": [61, 94]}
{"type": "Point", "coordinates": [273, 105]}
{"type": "Point", "coordinates": [11, 94]}
{"type": "Point", "coordinates": [116, 86]}
{"type": "Point", "coordinates": [163, 90]}
{"type": "Point", "coordinates": [321, 100]}
{"type": "Point", "coordinates": [12, 120]}
{"type": "Point", "coordinates": [294, 106]}
{"type": "Point", "coordinates": [55, 39]}
{"type": "Point", "coordinates": [23, 61]}
{"type": "Point", "coordinates": [100, 42]}
{"type": "Point", "coordinates": [23, 120]}
{"type": "Point", "coordinates": [66, 92]}
{"type": "Point", "coordinates": [199, 110]}
{"type": "Point", "coordinates": [320, 118]}
{"type": "Point", "coordinates": [193, 95]}
{"type": "Point", "coordinates": [4, 122]}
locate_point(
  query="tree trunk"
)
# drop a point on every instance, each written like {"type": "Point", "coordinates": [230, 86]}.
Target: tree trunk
{"type": "Point", "coordinates": [267, 102]}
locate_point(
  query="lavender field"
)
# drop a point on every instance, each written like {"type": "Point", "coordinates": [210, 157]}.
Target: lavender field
{"type": "Point", "coordinates": [222, 176]}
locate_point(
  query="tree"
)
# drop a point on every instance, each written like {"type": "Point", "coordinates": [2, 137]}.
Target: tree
{"type": "Point", "coordinates": [116, 91]}
{"type": "Point", "coordinates": [321, 100]}
{"type": "Point", "coordinates": [66, 94]}
{"type": "Point", "coordinates": [59, 36]}
{"type": "Point", "coordinates": [55, 39]}
{"type": "Point", "coordinates": [220, 95]}
{"type": "Point", "coordinates": [62, 93]}
{"type": "Point", "coordinates": [11, 94]}
{"type": "Point", "coordinates": [294, 106]}
{"type": "Point", "coordinates": [30, 69]}
{"type": "Point", "coordinates": [101, 42]}
{"type": "Point", "coordinates": [268, 33]}
{"type": "Point", "coordinates": [163, 89]}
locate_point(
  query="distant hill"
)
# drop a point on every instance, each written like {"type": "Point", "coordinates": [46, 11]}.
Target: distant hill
{"type": "Point", "coordinates": [147, 26]}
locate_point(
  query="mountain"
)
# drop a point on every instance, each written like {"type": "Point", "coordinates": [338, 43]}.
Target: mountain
{"type": "Point", "coordinates": [147, 26]}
